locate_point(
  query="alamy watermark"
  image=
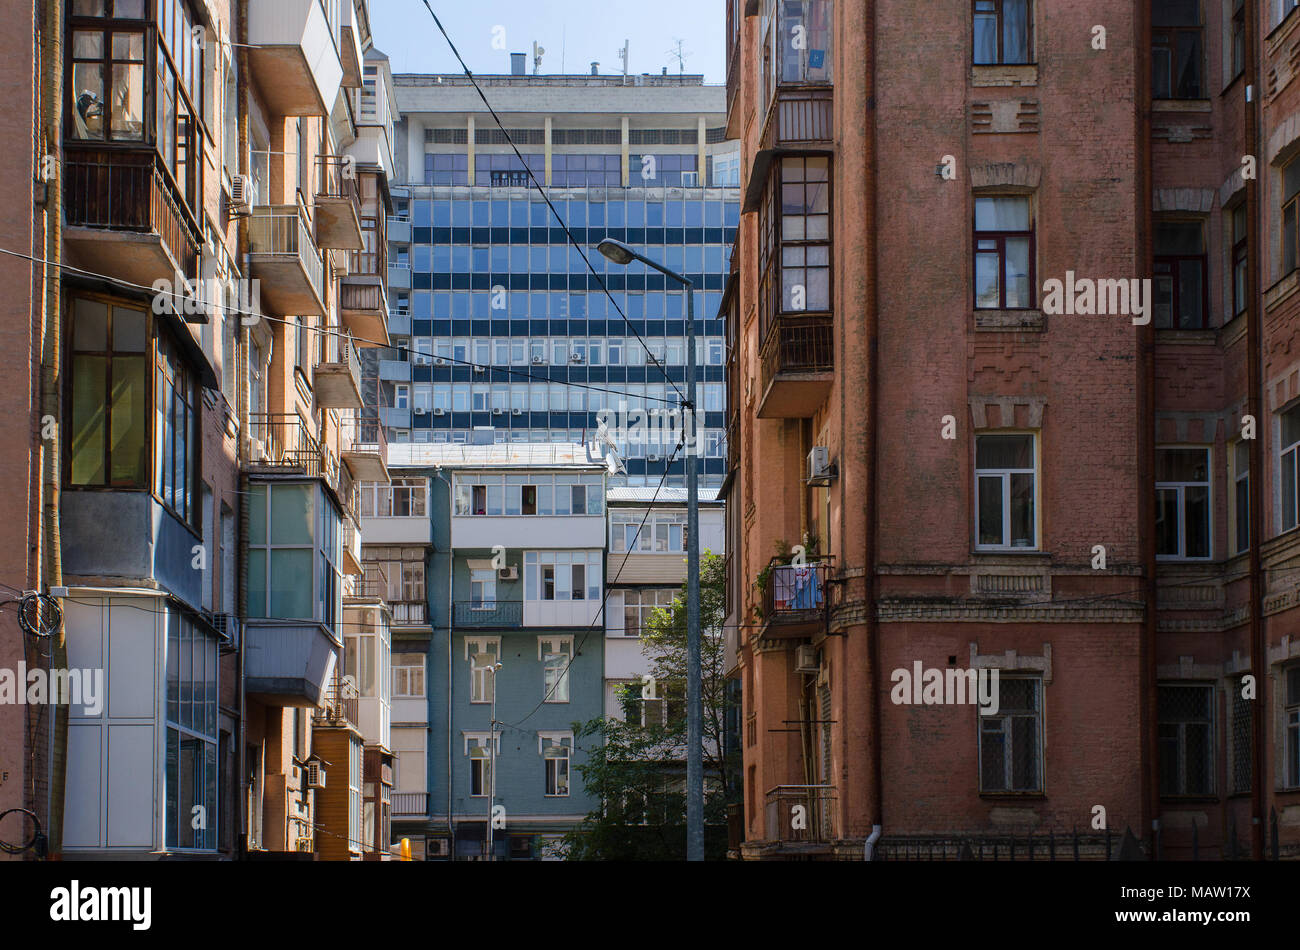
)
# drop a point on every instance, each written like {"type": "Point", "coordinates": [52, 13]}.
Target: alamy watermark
{"type": "Point", "coordinates": [662, 427]}
{"type": "Point", "coordinates": [208, 296]}
{"type": "Point", "coordinates": [1087, 297]}
{"type": "Point", "coordinates": [947, 687]}
{"type": "Point", "coordinates": [38, 687]}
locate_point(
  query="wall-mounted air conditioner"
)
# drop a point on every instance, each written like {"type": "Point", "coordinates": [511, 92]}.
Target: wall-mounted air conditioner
{"type": "Point", "coordinates": [440, 361]}
{"type": "Point", "coordinates": [516, 412]}
{"type": "Point", "coordinates": [510, 573]}
{"type": "Point", "coordinates": [480, 369]}
{"type": "Point", "coordinates": [420, 410]}
{"type": "Point", "coordinates": [422, 360]}
{"type": "Point", "coordinates": [440, 412]}
{"type": "Point", "coordinates": [243, 194]}
{"type": "Point", "coordinates": [315, 775]}
{"type": "Point", "coordinates": [820, 470]}
{"type": "Point", "coordinates": [497, 412]}
{"type": "Point", "coordinates": [576, 358]}
{"type": "Point", "coordinates": [805, 659]}
{"type": "Point", "coordinates": [539, 361]}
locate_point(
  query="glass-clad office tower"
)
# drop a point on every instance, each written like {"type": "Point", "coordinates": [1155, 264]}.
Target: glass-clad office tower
{"type": "Point", "coordinates": [500, 330]}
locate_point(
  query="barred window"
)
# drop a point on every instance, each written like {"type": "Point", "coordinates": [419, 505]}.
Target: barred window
{"type": "Point", "coordinates": [1011, 740]}
{"type": "Point", "coordinates": [1186, 739]}
{"type": "Point", "coordinates": [1242, 727]}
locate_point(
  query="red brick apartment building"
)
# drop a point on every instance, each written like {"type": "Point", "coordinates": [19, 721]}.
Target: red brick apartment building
{"type": "Point", "coordinates": [982, 481]}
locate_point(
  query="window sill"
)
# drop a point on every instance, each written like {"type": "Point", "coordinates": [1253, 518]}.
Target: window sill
{"type": "Point", "coordinates": [1185, 337]}
{"type": "Point", "coordinates": [1013, 796]}
{"type": "Point", "coordinates": [988, 555]}
{"type": "Point", "coordinates": [1014, 321]}
{"type": "Point", "coordinates": [1182, 105]}
{"type": "Point", "coordinates": [1003, 74]}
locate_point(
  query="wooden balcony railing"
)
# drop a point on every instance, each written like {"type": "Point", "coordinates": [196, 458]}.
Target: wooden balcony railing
{"type": "Point", "coordinates": [799, 116]}
{"type": "Point", "coordinates": [128, 191]}
{"type": "Point", "coordinates": [361, 296]}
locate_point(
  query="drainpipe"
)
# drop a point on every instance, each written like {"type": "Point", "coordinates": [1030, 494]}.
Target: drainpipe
{"type": "Point", "coordinates": [869, 848]}
{"type": "Point", "coordinates": [242, 399]}
{"type": "Point", "coordinates": [1254, 406]}
{"type": "Point", "coordinates": [1146, 439]}
{"type": "Point", "coordinates": [51, 326]}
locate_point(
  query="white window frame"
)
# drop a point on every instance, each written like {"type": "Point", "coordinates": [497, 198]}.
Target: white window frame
{"type": "Point", "coordinates": [1180, 488]}
{"type": "Point", "coordinates": [1004, 474]}
{"type": "Point", "coordinates": [562, 740]}
{"type": "Point", "coordinates": [482, 682]}
{"type": "Point", "coordinates": [1239, 474]}
{"type": "Point", "coordinates": [555, 688]}
{"type": "Point", "coordinates": [409, 674]}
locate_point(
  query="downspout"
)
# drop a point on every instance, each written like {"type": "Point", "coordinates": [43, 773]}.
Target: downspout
{"type": "Point", "coordinates": [1146, 439]}
{"type": "Point", "coordinates": [872, 313]}
{"type": "Point", "coordinates": [242, 399]}
{"type": "Point", "coordinates": [1254, 391]}
{"type": "Point", "coordinates": [51, 328]}
{"type": "Point", "coordinates": [451, 614]}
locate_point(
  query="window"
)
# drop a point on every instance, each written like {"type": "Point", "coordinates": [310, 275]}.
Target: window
{"type": "Point", "coordinates": [1011, 740]}
{"type": "Point", "coordinates": [1240, 273]}
{"type": "Point", "coordinates": [530, 494]}
{"type": "Point", "coordinates": [640, 605]}
{"type": "Point", "coordinates": [1292, 739]}
{"type": "Point", "coordinates": [667, 709]}
{"type": "Point", "coordinates": [795, 240]}
{"type": "Point", "coordinates": [295, 549]}
{"type": "Point", "coordinates": [1290, 213]}
{"type": "Point", "coordinates": [191, 767]}
{"type": "Point", "coordinates": [1002, 32]}
{"type": "Point", "coordinates": [1182, 300]}
{"type": "Point", "coordinates": [1242, 736]}
{"type": "Point", "coordinates": [1290, 443]}
{"type": "Point", "coordinates": [1177, 67]}
{"type": "Point", "coordinates": [109, 380]}
{"type": "Point", "coordinates": [1005, 489]}
{"type": "Point", "coordinates": [480, 761]}
{"type": "Point", "coordinates": [176, 432]}
{"type": "Point", "coordinates": [483, 588]}
{"type": "Point", "coordinates": [482, 653]}
{"type": "Point", "coordinates": [1241, 496]}
{"type": "Point", "coordinates": [107, 94]}
{"type": "Point", "coordinates": [1004, 253]}
{"type": "Point", "coordinates": [1237, 40]}
{"type": "Point", "coordinates": [1183, 503]}
{"type": "Point", "coordinates": [408, 675]}
{"type": "Point", "coordinates": [556, 748]}
{"type": "Point", "coordinates": [555, 654]}
{"type": "Point", "coordinates": [1186, 739]}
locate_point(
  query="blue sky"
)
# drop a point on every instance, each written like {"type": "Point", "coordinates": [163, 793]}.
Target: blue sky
{"type": "Point", "coordinates": [573, 32]}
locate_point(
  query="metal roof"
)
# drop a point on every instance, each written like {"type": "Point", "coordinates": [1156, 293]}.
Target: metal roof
{"type": "Point", "coordinates": [644, 495]}
{"type": "Point", "coordinates": [496, 455]}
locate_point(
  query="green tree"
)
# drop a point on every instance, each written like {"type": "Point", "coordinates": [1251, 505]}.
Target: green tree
{"type": "Point", "coordinates": [635, 765]}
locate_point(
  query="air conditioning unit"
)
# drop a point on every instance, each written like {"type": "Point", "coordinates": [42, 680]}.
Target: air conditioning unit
{"type": "Point", "coordinates": [650, 358]}
{"type": "Point", "coordinates": [422, 360]}
{"type": "Point", "coordinates": [438, 847]}
{"type": "Point", "coordinates": [440, 412]}
{"type": "Point", "coordinates": [243, 194]}
{"type": "Point", "coordinates": [497, 412]}
{"type": "Point", "coordinates": [480, 369]}
{"type": "Point", "coordinates": [652, 458]}
{"type": "Point", "coordinates": [316, 775]}
{"type": "Point", "coordinates": [516, 412]}
{"type": "Point", "coordinates": [690, 179]}
{"type": "Point", "coordinates": [820, 470]}
{"type": "Point", "coordinates": [439, 362]}
{"type": "Point", "coordinates": [576, 358]}
{"type": "Point", "coordinates": [805, 659]}
{"type": "Point", "coordinates": [508, 574]}
{"type": "Point", "coordinates": [539, 361]}
{"type": "Point", "coordinates": [420, 410]}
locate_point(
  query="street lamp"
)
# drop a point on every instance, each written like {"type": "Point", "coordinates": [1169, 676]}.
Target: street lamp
{"type": "Point", "coordinates": [622, 254]}
{"type": "Point", "coordinates": [485, 662]}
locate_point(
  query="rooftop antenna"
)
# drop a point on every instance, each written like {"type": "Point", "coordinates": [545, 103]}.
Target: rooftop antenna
{"type": "Point", "coordinates": [679, 54]}
{"type": "Point", "coordinates": [622, 54]}
{"type": "Point", "coordinates": [538, 53]}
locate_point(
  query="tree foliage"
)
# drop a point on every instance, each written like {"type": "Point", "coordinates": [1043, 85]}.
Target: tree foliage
{"type": "Point", "coordinates": [636, 765]}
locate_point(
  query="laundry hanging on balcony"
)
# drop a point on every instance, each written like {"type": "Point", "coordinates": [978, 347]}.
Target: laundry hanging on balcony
{"type": "Point", "coordinates": [796, 587]}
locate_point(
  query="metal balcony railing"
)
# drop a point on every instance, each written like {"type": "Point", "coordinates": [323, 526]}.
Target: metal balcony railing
{"type": "Point", "coordinates": [127, 191]}
{"type": "Point", "coordinates": [282, 440]}
{"type": "Point", "coordinates": [336, 178]}
{"type": "Point", "coordinates": [798, 345]}
{"type": "Point", "coordinates": [409, 612]}
{"type": "Point", "coordinates": [493, 613]}
{"type": "Point", "coordinates": [283, 231]}
{"type": "Point", "coordinates": [410, 804]}
{"type": "Point", "coordinates": [801, 813]}
{"type": "Point", "coordinates": [341, 705]}
{"type": "Point", "coordinates": [797, 593]}
{"type": "Point", "coordinates": [362, 431]}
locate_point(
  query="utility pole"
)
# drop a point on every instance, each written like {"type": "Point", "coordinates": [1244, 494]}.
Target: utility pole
{"type": "Point", "coordinates": [491, 667]}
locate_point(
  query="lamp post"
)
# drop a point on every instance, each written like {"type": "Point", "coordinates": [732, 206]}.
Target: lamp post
{"type": "Point", "coordinates": [622, 254]}
{"type": "Point", "coordinates": [485, 662]}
